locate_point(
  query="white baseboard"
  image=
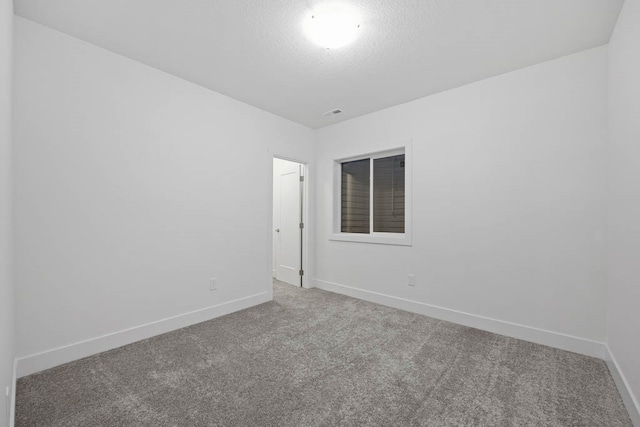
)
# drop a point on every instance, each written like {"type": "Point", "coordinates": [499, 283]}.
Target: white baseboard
{"type": "Point", "coordinates": [513, 330]}
{"type": "Point", "coordinates": [28, 365]}
{"type": "Point", "coordinates": [629, 399]}
{"type": "Point", "coordinates": [12, 399]}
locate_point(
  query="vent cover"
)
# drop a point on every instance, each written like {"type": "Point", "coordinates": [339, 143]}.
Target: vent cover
{"type": "Point", "coordinates": [332, 112]}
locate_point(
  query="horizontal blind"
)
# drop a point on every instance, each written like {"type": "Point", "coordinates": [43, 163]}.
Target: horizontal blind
{"type": "Point", "coordinates": [388, 194]}
{"type": "Point", "coordinates": [355, 188]}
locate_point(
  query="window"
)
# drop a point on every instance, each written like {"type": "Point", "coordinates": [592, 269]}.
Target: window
{"type": "Point", "coordinates": [388, 194]}
{"type": "Point", "coordinates": [355, 196]}
{"type": "Point", "coordinates": [372, 198]}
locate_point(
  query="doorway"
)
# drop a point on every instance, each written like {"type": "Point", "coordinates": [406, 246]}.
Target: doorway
{"type": "Point", "coordinates": [288, 221]}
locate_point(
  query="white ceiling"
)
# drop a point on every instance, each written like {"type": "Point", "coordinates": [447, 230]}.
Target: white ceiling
{"type": "Point", "coordinates": [255, 50]}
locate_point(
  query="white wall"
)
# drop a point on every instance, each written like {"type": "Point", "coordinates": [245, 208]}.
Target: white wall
{"type": "Point", "coordinates": [133, 188]}
{"type": "Point", "coordinates": [508, 199]}
{"type": "Point", "coordinates": [6, 284]}
{"type": "Point", "coordinates": [623, 332]}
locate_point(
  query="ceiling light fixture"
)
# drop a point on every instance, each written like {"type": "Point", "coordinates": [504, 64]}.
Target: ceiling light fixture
{"type": "Point", "coordinates": [332, 25]}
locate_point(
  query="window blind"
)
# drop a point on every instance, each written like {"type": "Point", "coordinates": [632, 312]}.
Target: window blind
{"type": "Point", "coordinates": [355, 196]}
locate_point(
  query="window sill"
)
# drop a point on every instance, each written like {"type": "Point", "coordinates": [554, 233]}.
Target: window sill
{"type": "Point", "coordinates": [378, 239]}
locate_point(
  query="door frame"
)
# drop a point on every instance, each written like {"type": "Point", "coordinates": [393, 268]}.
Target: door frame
{"type": "Point", "coordinates": [306, 219]}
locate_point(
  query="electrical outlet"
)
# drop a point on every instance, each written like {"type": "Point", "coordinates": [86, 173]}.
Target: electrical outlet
{"type": "Point", "coordinates": [212, 284]}
{"type": "Point", "coordinates": [412, 280]}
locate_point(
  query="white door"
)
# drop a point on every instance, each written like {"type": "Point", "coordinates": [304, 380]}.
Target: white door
{"type": "Point", "coordinates": [286, 219]}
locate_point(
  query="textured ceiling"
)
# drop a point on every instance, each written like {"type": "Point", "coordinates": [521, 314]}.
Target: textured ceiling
{"type": "Point", "coordinates": [255, 50]}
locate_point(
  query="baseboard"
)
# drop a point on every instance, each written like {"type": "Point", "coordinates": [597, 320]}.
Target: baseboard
{"type": "Point", "coordinates": [514, 330]}
{"type": "Point", "coordinates": [28, 365]}
{"type": "Point", "coordinates": [629, 399]}
{"type": "Point", "coordinates": [12, 403]}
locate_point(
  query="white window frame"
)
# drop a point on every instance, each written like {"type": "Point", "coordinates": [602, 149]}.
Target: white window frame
{"type": "Point", "coordinates": [400, 239]}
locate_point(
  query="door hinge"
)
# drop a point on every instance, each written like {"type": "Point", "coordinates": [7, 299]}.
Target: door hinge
{"type": "Point", "coordinates": [302, 225]}
{"type": "Point", "coordinates": [302, 272]}
{"type": "Point", "coordinates": [301, 178]}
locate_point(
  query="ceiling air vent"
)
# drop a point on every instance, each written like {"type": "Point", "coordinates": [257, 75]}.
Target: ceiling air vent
{"type": "Point", "coordinates": [332, 112]}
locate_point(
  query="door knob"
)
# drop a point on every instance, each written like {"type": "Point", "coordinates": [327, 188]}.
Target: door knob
{"type": "Point", "coordinates": [277, 230]}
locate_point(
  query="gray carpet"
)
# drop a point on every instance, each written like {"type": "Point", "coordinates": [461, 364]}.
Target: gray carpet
{"type": "Point", "coordinates": [313, 358]}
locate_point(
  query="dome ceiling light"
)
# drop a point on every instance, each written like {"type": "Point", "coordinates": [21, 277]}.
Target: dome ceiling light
{"type": "Point", "coordinates": [332, 25]}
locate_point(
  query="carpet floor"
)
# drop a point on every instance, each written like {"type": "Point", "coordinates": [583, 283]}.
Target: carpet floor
{"type": "Point", "coordinates": [315, 358]}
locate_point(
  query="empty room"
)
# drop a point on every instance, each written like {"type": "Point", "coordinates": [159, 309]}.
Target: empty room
{"type": "Point", "coordinates": [319, 212]}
